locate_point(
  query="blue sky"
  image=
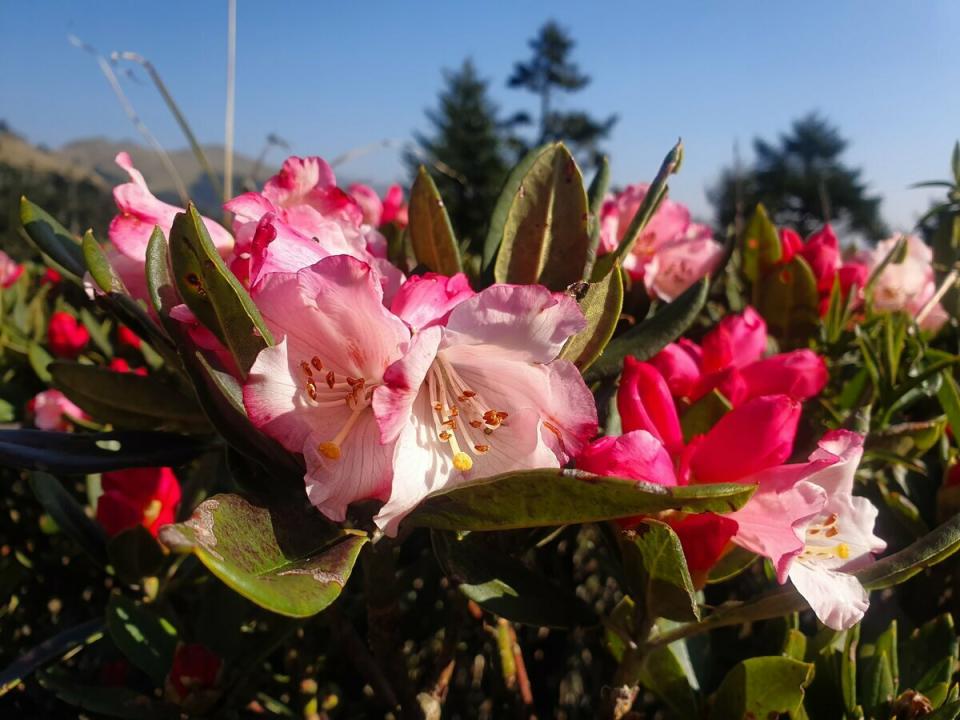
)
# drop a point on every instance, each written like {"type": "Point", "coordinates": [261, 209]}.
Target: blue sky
{"type": "Point", "coordinates": [331, 76]}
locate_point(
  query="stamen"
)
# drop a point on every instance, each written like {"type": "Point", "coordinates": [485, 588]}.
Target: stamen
{"type": "Point", "coordinates": [462, 461]}
{"type": "Point", "coordinates": [317, 363]}
{"type": "Point", "coordinates": [306, 369]}
{"type": "Point", "coordinates": [331, 379]}
{"type": "Point", "coordinates": [331, 449]}
{"type": "Point", "coordinates": [843, 551]}
{"type": "Point", "coordinates": [481, 448]}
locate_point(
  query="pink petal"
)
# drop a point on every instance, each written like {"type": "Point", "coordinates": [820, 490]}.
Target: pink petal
{"type": "Point", "coordinates": [838, 599]}
{"type": "Point", "coordinates": [296, 179]}
{"type": "Point", "coordinates": [801, 374]}
{"type": "Point", "coordinates": [645, 403]}
{"type": "Point", "coordinates": [402, 382]}
{"type": "Point", "coordinates": [680, 367]}
{"type": "Point", "coordinates": [704, 538]}
{"type": "Point", "coordinates": [752, 437]}
{"type": "Point", "coordinates": [369, 203]}
{"type": "Point", "coordinates": [524, 322]}
{"type": "Point", "coordinates": [428, 299]}
{"type": "Point", "coordinates": [679, 264]}
{"type": "Point", "coordinates": [737, 340]}
{"type": "Point", "coordinates": [637, 455]}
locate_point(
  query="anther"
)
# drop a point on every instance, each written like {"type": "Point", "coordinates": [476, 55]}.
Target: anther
{"type": "Point", "coordinates": [331, 379]}
{"type": "Point", "coordinates": [317, 363]}
{"type": "Point", "coordinates": [462, 461]}
{"type": "Point", "coordinates": [481, 448]}
{"type": "Point", "coordinates": [311, 390]}
{"type": "Point", "coordinates": [843, 551]}
{"type": "Point", "coordinates": [329, 450]}
{"type": "Point", "coordinates": [306, 369]}
{"type": "Point", "coordinates": [444, 435]}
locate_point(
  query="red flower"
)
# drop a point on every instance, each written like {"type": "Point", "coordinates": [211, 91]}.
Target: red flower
{"type": "Point", "coordinates": [138, 496]}
{"type": "Point", "coordinates": [195, 668]}
{"type": "Point", "coordinates": [126, 336]}
{"type": "Point", "coordinates": [122, 366]}
{"type": "Point", "coordinates": [51, 277]}
{"type": "Point", "coordinates": [65, 335]}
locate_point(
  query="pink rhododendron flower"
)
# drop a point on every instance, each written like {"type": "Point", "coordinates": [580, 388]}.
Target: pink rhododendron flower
{"type": "Point", "coordinates": [395, 209]}
{"type": "Point", "coordinates": [130, 231]}
{"type": "Point", "coordinates": [10, 270]}
{"type": "Point", "coordinates": [909, 285]}
{"type": "Point", "coordinates": [428, 299]}
{"type": "Point", "coordinates": [66, 336]}
{"type": "Point", "coordinates": [138, 496]}
{"type": "Point", "coordinates": [671, 253]}
{"type": "Point", "coordinates": [312, 390]}
{"type": "Point", "coordinates": [52, 410]}
{"type": "Point", "coordinates": [483, 394]}
{"type": "Point", "coordinates": [300, 217]}
{"type": "Point", "coordinates": [126, 336]}
{"type": "Point", "coordinates": [50, 277]}
{"type": "Point", "coordinates": [730, 359]}
{"type": "Point", "coordinates": [368, 200]}
{"type": "Point", "coordinates": [839, 539]}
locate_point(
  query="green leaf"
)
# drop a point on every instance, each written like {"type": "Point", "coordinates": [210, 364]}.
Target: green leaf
{"type": "Point", "coordinates": [116, 702]}
{"type": "Point", "coordinates": [81, 453]}
{"type": "Point", "coordinates": [704, 414]}
{"type": "Point", "coordinates": [760, 246]}
{"type": "Point", "coordinates": [794, 644]}
{"type": "Point", "coordinates": [662, 673]}
{"type": "Point", "coordinates": [596, 194]}
{"type": "Point", "coordinates": [947, 711]}
{"type": "Point", "coordinates": [212, 292]}
{"type": "Point", "coordinates": [434, 244]}
{"type": "Point", "coordinates": [127, 399]}
{"type": "Point", "coordinates": [99, 266]}
{"type": "Point", "coordinates": [601, 303]}
{"type": "Point", "coordinates": [549, 497]}
{"type": "Point", "coordinates": [501, 211]}
{"type": "Point", "coordinates": [545, 236]}
{"type": "Point", "coordinates": [929, 550]}
{"type": "Point", "coordinates": [788, 300]}
{"type": "Point", "coordinates": [50, 649]}
{"type": "Point", "coordinates": [506, 587]}
{"type": "Point", "coordinates": [287, 559]}
{"type": "Point", "coordinates": [949, 397]}
{"type": "Point", "coordinates": [69, 516]}
{"type": "Point", "coordinates": [40, 360]}
{"type": "Point", "coordinates": [653, 334]}
{"type": "Point", "coordinates": [656, 572]}
{"type": "Point", "coordinates": [733, 562]}
{"type": "Point", "coordinates": [946, 253]}
{"type": "Point", "coordinates": [135, 554]}
{"type": "Point", "coordinates": [648, 206]}
{"type": "Point", "coordinates": [762, 687]}
{"type": "Point", "coordinates": [148, 641]}
{"type": "Point", "coordinates": [53, 240]}
{"type": "Point", "coordinates": [877, 684]}
{"type": "Point", "coordinates": [929, 655]}
{"type": "Point", "coordinates": [98, 332]}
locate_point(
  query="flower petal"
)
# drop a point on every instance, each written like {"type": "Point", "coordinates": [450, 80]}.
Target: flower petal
{"type": "Point", "coordinates": [645, 403]}
{"type": "Point", "coordinates": [838, 599]}
{"type": "Point", "coordinates": [637, 455]}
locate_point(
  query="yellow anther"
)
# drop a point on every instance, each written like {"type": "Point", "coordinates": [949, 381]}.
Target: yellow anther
{"type": "Point", "coordinates": [843, 551]}
{"type": "Point", "coordinates": [329, 450]}
{"type": "Point", "coordinates": [462, 461]}
{"type": "Point", "coordinates": [152, 511]}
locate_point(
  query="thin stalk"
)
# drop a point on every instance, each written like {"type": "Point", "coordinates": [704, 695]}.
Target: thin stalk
{"type": "Point", "coordinates": [231, 93]}
{"type": "Point", "coordinates": [131, 112]}
{"type": "Point", "coordinates": [177, 115]}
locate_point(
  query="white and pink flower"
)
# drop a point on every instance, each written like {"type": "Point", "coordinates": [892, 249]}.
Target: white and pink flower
{"type": "Point", "coordinates": [909, 285]}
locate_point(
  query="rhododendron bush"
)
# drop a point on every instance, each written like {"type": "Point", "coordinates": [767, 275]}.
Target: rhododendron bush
{"type": "Point", "coordinates": [319, 460]}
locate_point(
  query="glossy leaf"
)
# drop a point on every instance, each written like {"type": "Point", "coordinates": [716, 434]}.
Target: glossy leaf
{"type": "Point", "coordinates": [656, 572]}
{"type": "Point", "coordinates": [50, 649]}
{"type": "Point", "coordinates": [99, 266]}
{"type": "Point", "coordinates": [148, 641]}
{"type": "Point", "coordinates": [506, 587]}
{"type": "Point", "coordinates": [53, 240]}
{"type": "Point", "coordinates": [69, 516]}
{"type": "Point", "coordinates": [212, 292]}
{"type": "Point", "coordinates": [762, 687]}
{"type": "Point", "coordinates": [601, 303]}
{"type": "Point", "coordinates": [760, 246]}
{"type": "Point", "coordinates": [547, 497]}
{"type": "Point", "coordinates": [75, 453]}
{"type": "Point", "coordinates": [788, 300]}
{"type": "Point", "coordinates": [545, 235]}
{"type": "Point", "coordinates": [652, 335]}
{"type": "Point", "coordinates": [287, 559]}
{"type": "Point", "coordinates": [663, 673]}
{"type": "Point", "coordinates": [126, 399]}
{"type": "Point", "coordinates": [434, 243]}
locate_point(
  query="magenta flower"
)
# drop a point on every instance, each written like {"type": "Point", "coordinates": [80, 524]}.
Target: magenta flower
{"type": "Point", "coordinates": [483, 394]}
{"type": "Point", "coordinates": [428, 299]}
{"type": "Point", "coordinates": [312, 391]}
{"type": "Point", "coordinates": [10, 270]}
{"type": "Point", "coordinates": [52, 410]}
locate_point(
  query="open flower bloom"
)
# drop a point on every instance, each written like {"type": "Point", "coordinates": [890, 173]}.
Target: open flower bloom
{"type": "Point", "coordinates": [300, 217]}
{"type": "Point", "coordinates": [483, 394]}
{"type": "Point", "coordinates": [10, 270]}
{"type": "Point", "coordinates": [138, 496]}
{"type": "Point", "coordinates": [907, 286]}
{"type": "Point", "coordinates": [671, 253]}
{"type": "Point", "coordinates": [839, 539]}
{"type": "Point", "coordinates": [52, 410]}
{"type": "Point", "coordinates": [730, 359]}
{"type": "Point", "coordinates": [140, 212]}
{"type": "Point", "coordinates": [312, 390]}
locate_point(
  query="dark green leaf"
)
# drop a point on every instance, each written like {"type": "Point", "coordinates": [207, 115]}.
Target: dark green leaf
{"type": "Point", "coordinates": [929, 656]}
{"type": "Point", "coordinates": [147, 640]}
{"type": "Point", "coordinates": [788, 300]}
{"type": "Point", "coordinates": [73, 453]}
{"type": "Point", "coordinates": [929, 550]}
{"type": "Point", "coordinates": [48, 650]}
{"type": "Point", "coordinates": [135, 554]}
{"type": "Point", "coordinates": [547, 497]}
{"type": "Point", "coordinates": [212, 292]}
{"type": "Point", "coordinates": [287, 559]}
{"type": "Point", "coordinates": [652, 335]}
{"type": "Point", "coordinates": [704, 414]}
{"type": "Point", "coordinates": [100, 268]}
{"type": "Point", "coordinates": [760, 246]}
{"type": "Point", "coordinates": [656, 572]}
{"type": "Point", "coordinates": [127, 399]}
{"type": "Point", "coordinates": [545, 236]}
{"type": "Point", "coordinates": [40, 361]}
{"type": "Point", "coordinates": [601, 303]}
{"type": "Point", "coordinates": [506, 587]}
{"type": "Point", "coordinates": [434, 244]}
{"type": "Point", "coordinates": [69, 516]}
{"type": "Point", "coordinates": [664, 675]}
{"type": "Point", "coordinates": [596, 194]}
{"type": "Point", "coordinates": [733, 562]}
{"type": "Point", "coordinates": [117, 702]}
{"type": "Point", "coordinates": [53, 240]}
{"type": "Point", "coordinates": [949, 396]}
{"type": "Point", "coordinates": [762, 687]}
{"type": "Point", "coordinates": [877, 684]}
